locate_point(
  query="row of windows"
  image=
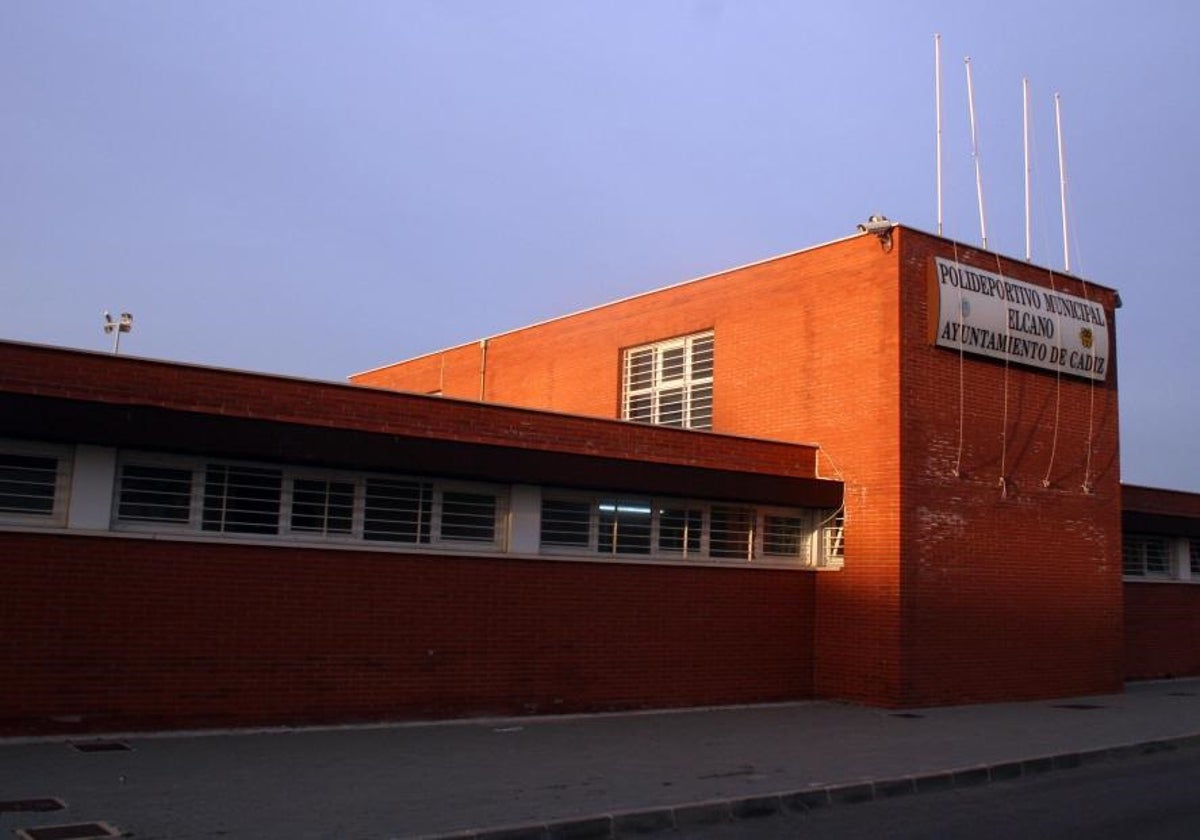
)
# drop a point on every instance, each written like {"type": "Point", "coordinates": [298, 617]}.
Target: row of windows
{"type": "Point", "coordinates": [690, 530]}
{"type": "Point", "coordinates": [248, 499]}
{"type": "Point", "coordinates": [1154, 556]}
{"type": "Point", "coordinates": [176, 494]}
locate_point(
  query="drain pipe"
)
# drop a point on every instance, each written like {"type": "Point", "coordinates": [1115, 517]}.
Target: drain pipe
{"type": "Point", "coordinates": [482, 366]}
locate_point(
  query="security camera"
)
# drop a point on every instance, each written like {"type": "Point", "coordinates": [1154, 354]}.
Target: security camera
{"type": "Point", "coordinates": [876, 225]}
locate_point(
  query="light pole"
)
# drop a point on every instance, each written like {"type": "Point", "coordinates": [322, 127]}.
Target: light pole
{"type": "Point", "coordinates": [122, 325]}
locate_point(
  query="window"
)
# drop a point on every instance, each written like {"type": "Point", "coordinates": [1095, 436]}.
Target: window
{"type": "Point", "coordinates": [322, 506]}
{"type": "Point", "coordinates": [152, 493]}
{"type": "Point", "coordinates": [670, 383]}
{"type": "Point", "coordinates": [242, 500]}
{"type": "Point", "coordinates": [833, 539]}
{"type": "Point", "coordinates": [1194, 558]}
{"type": "Point", "coordinates": [681, 530]}
{"type": "Point", "coordinates": [624, 527]}
{"type": "Point", "coordinates": [165, 492]}
{"type": "Point", "coordinates": [398, 511]}
{"type": "Point", "coordinates": [787, 536]}
{"type": "Point", "coordinates": [1146, 556]}
{"type": "Point", "coordinates": [731, 533]}
{"type": "Point", "coordinates": [34, 479]}
{"type": "Point", "coordinates": [566, 524]}
{"type": "Point", "coordinates": [468, 517]}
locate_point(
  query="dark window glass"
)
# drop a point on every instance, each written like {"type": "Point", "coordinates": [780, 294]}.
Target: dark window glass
{"type": "Point", "coordinates": [624, 527]}
{"type": "Point", "coordinates": [155, 494]}
{"type": "Point", "coordinates": [679, 531]}
{"type": "Point", "coordinates": [242, 500]}
{"type": "Point", "coordinates": [322, 507]}
{"type": "Point", "coordinates": [468, 516]}
{"type": "Point", "coordinates": [731, 533]}
{"type": "Point", "coordinates": [566, 523]}
{"type": "Point", "coordinates": [27, 484]}
{"type": "Point", "coordinates": [397, 511]}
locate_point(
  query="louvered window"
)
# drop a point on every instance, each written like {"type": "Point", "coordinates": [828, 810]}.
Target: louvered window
{"type": "Point", "coordinates": [670, 383]}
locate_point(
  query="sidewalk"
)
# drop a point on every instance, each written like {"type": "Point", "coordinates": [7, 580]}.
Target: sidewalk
{"type": "Point", "coordinates": [650, 770]}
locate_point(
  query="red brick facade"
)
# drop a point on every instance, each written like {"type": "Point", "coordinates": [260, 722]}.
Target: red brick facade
{"type": "Point", "coordinates": [1162, 618]}
{"type": "Point", "coordinates": [114, 633]}
{"type": "Point", "coordinates": [107, 630]}
{"type": "Point", "coordinates": [983, 522]}
{"type": "Point", "coordinates": [957, 591]}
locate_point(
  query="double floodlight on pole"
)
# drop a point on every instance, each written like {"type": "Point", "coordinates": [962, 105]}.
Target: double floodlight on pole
{"type": "Point", "coordinates": [122, 325]}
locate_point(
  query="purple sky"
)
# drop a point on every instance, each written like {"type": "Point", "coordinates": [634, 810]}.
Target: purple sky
{"type": "Point", "coordinates": [318, 189]}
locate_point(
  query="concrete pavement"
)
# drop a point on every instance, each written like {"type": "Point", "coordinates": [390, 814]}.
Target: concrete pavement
{"type": "Point", "coordinates": [594, 776]}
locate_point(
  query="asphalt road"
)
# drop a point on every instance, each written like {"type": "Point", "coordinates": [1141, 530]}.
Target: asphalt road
{"type": "Point", "coordinates": [1151, 798]}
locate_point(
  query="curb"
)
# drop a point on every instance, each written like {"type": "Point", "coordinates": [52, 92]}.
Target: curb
{"type": "Point", "coordinates": [619, 825]}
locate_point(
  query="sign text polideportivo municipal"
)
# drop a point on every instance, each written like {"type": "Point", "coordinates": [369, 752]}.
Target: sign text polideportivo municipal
{"type": "Point", "coordinates": [990, 315]}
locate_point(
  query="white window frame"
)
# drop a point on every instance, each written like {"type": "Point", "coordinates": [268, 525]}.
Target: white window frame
{"type": "Point", "coordinates": [690, 384]}
{"type": "Point", "coordinates": [1138, 544]}
{"type": "Point", "coordinates": [198, 467]}
{"type": "Point", "coordinates": [64, 458]}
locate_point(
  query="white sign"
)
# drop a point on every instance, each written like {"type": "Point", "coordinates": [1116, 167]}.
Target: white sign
{"type": "Point", "coordinates": [990, 315]}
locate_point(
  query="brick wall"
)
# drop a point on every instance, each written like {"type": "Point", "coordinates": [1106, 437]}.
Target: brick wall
{"type": "Point", "coordinates": [950, 592]}
{"type": "Point", "coordinates": [1016, 591]}
{"type": "Point", "coordinates": [1162, 619]}
{"type": "Point", "coordinates": [47, 372]}
{"type": "Point", "coordinates": [806, 350]}
{"type": "Point", "coordinates": [1162, 624]}
{"type": "Point", "coordinates": [111, 633]}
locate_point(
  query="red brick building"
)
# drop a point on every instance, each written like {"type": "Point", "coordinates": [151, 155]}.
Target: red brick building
{"type": "Point", "coordinates": [883, 469]}
{"type": "Point", "coordinates": [978, 565]}
{"type": "Point", "coordinates": [184, 546]}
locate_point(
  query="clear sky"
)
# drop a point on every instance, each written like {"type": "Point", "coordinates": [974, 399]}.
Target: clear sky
{"type": "Point", "coordinates": [321, 188]}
